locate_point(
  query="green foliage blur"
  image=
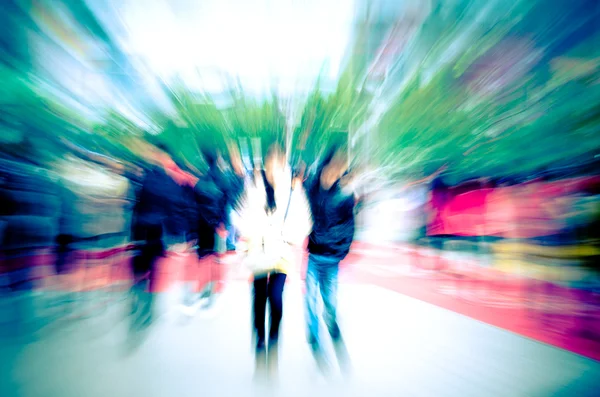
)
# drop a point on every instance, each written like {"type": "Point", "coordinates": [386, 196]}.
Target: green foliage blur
{"type": "Point", "coordinates": [481, 88]}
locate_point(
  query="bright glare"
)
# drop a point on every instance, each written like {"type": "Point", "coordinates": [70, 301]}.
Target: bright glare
{"type": "Point", "coordinates": [280, 46]}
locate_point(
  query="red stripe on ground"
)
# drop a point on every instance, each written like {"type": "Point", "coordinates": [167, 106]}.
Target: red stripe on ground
{"type": "Point", "coordinates": [562, 317]}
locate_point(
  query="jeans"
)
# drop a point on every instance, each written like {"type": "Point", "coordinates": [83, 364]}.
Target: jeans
{"type": "Point", "coordinates": [231, 231]}
{"type": "Point", "coordinates": [269, 287]}
{"type": "Point", "coordinates": [231, 237]}
{"type": "Point", "coordinates": [322, 274]}
{"type": "Point", "coordinates": [231, 240]}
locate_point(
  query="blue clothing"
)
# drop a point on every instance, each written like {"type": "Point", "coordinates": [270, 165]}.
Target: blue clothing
{"type": "Point", "coordinates": [216, 192]}
{"type": "Point", "coordinates": [321, 275]}
{"type": "Point", "coordinates": [231, 233]}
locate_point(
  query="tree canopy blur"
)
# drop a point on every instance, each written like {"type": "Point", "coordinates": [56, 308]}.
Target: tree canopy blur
{"type": "Point", "coordinates": [481, 88]}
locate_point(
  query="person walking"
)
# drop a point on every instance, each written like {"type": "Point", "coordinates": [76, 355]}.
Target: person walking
{"type": "Point", "coordinates": [273, 219]}
{"type": "Point", "coordinates": [211, 192]}
{"type": "Point", "coordinates": [155, 200]}
{"type": "Point", "coordinates": [329, 242]}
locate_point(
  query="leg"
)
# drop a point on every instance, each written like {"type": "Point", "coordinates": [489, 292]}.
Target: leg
{"type": "Point", "coordinates": [155, 249]}
{"type": "Point", "coordinates": [328, 282]}
{"type": "Point", "coordinates": [152, 289]}
{"type": "Point", "coordinates": [260, 306]}
{"type": "Point", "coordinates": [141, 264]}
{"type": "Point", "coordinates": [275, 288]}
{"type": "Point", "coordinates": [217, 273]}
{"type": "Point", "coordinates": [203, 274]}
{"type": "Point", "coordinates": [311, 301]}
{"type": "Point", "coordinates": [276, 285]}
{"type": "Point", "coordinates": [230, 235]}
{"type": "Point", "coordinates": [216, 270]}
{"type": "Point", "coordinates": [153, 275]}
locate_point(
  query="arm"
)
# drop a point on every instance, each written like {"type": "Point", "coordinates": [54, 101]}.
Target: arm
{"type": "Point", "coordinates": [205, 188]}
{"type": "Point", "coordinates": [247, 220]}
{"type": "Point", "coordinates": [178, 175]}
{"type": "Point", "coordinates": [299, 221]}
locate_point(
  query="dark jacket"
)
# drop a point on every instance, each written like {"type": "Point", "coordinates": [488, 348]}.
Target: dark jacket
{"type": "Point", "coordinates": [154, 205]}
{"type": "Point", "coordinates": [156, 211]}
{"type": "Point", "coordinates": [236, 189]}
{"type": "Point", "coordinates": [333, 219]}
{"type": "Point", "coordinates": [216, 192]}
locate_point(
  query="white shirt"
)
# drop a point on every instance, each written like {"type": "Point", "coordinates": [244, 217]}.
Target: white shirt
{"type": "Point", "coordinates": [270, 236]}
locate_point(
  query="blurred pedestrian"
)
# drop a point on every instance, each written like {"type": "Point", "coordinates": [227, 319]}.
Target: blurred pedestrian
{"type": "Point", "coordinates": [273, 219]}
{"type": "Point", "coordinates": [332, 209]}
{"type": "Point", "coordinates": [217, 193]}
{"type": "Point", "coordinates": [155, 200]}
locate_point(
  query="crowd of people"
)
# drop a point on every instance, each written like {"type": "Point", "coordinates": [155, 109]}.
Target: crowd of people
{"type": "Point", "coordinates": [268, 212]}
{"type": "Point", "coordinates": [280, 209]}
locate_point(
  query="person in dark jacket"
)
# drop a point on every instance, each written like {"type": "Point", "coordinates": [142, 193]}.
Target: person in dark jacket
{"type": "Point", "coordinates": [329, 242]}
{"type": "Point", "coordinates": [236, 175]}
{"type": "Point", "coordinates": [216, 192]}
{"type": "Point", "coordinates": [154, 220]}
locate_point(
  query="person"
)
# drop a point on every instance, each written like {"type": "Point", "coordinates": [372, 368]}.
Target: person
{"type": "Point", "coordinates": [235, 176]}
{"type": "Point", "coordinates": [216, 192]}
{"type": "Point", "coordinates": [158, 222]}
{"type": "Point", "coordinates": [273, 219]}
{"type": "Point", "coordinates": [151, 211]}
{"type": "Point", "coordinates": [332, 208]}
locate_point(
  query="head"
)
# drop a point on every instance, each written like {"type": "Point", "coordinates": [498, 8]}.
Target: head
{"type": "Point", "coordinates": [160, 155]}
{"type": "Point", "coordinates": [334, 167]}
{"type": "Point", "coordinates": [211, 155]}
{"type": "Point", "coordinates": [156, 154]}
{"type": "Point", "coordinates": [275, 165]}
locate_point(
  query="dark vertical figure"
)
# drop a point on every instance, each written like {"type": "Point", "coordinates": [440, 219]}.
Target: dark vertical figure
{"type": "Point", "coordinates": [236, 177]}
{"type": "Point", "coordinates": [212, 203]}
{"type": "Point", "coordinates": [329, 242]}
{"type": "Point", "coordinates": [215, 194]}
{"type": "Point", "coordinates": [154, 219]}
{"type": "Point", "coordinates": [64, 240]}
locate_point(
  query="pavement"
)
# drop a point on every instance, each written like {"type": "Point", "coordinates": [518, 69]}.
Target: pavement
{"type": "Point", "coordinates": [398, 346]}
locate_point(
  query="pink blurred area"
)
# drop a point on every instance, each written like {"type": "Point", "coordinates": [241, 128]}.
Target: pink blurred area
{"type": "Point", "coordinates": [565, 317]}
{"type": "Point", "coordinates": [521, 211]}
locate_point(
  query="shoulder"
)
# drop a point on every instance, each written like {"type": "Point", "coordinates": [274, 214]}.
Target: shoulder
{"type": "Point", "coordinates": [311, 181]}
